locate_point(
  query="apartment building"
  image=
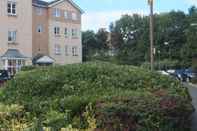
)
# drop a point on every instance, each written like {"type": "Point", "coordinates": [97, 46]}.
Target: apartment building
{"type": "Point", "coordinates": [45, 32]}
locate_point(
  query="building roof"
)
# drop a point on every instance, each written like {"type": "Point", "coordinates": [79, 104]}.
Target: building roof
{"type": "Point", "coordinates": [13, 54]}
{"type": "Point", "coordinates": [45, 60]}
{"type": "Point", "coordinates": [42, 3]}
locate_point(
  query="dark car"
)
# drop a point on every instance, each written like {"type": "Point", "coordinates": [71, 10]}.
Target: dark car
{"type": "Point", "coordinates": [190, 74]}
{"type": "Point", "coordinates": [180, 75]}
{"type": "Point", "coordinates": [3, 76]}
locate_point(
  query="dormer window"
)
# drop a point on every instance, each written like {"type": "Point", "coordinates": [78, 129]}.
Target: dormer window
{"type": "Point", "coordinates": [11, 8]}
{"type": "Point", "coordinates": [56, 12]}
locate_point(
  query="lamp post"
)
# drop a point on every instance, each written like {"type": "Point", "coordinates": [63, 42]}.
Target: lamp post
{"type": "Point", "coordinates": [150, 2]}
{"type": "Point", "coordinates": [159, 53]}
{"type": "Point", "coordinates": [167, 44]}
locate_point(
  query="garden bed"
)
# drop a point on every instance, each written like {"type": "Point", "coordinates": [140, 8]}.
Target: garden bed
{"type": "Point", "coordinates": [102, 96]}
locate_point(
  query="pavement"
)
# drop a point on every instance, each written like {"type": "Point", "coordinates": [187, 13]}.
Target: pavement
{"type": "Point", "coordinates": [193, 92]}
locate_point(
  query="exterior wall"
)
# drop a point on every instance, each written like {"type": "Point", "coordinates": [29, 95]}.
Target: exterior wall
{"type": "Point", "coordinates": [30, 42]}
{"type": "Point", "coordinates": [40, 40]}
{"type": "Point", "coordinates": [61, 40]}
{"type": "Point", "coordinates": [22, 23]}
{"type": "Point", "coordinates": [64, 41]}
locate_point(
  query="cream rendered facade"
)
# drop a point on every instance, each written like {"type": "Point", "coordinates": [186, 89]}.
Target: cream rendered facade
{"type": "Point", "coordinates": [21, 23]}
{"type": "Point", "coordinates": [30, 42]}
{"type": "Point", "coordinates": [61, 40]}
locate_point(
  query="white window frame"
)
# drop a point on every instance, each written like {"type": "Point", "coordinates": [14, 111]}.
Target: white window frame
{"type": "Point", "coordinates": [74, 16]}
{"type": "Point", "coordinates": [40, 28]}
{"type": "Point", "coordinates": [57, 12]}
{"type": "Point", "coordinates": [74, 33]}
{"type": "Point", "coordinates": [57, 49]}
{"type": "Point", "coordinates": [12, 36]}
{"type": "Point", "coordinates": [74, 51]}
{"type": "Point", "coordinates": [12, 9]}
{"type": "Point", "coordinates": [66, 15]}
{"type": "Point", "coordinates": [57, 30]}
{"type": "Point", "coordinates": [13, 65]}
{"type": "Point", "coordinates": [66, 32]}
{"type": "Point", "coordinates": [39, 11]}
{"type": "Point", "coordinates": [66, 50]}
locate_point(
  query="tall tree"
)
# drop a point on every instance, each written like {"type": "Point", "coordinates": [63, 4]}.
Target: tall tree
{"type": "Point", "coordinates": [89, 43]}
{"type": "Point", "coordinates": [102, 39]}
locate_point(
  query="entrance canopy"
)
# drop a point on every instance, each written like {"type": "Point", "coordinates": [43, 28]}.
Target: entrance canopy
{"type": "Point", "coordinates": [13, 54]}
{"type": "Point", "coordinates": [44, 60]}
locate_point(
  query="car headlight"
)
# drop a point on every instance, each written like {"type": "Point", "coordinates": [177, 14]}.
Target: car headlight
{"type": "Point", "coordinates": [179, 75]}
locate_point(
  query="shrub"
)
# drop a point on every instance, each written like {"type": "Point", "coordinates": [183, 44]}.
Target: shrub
{"type": "Point", "coordinates": [28, 68]}
{"type": "Point", "coordinates": [164, 64]}
{"type": "Point", "coordinates": [126, 97]}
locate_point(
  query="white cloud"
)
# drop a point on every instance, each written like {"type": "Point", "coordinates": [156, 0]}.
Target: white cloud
{"type": "Point", "coordinates": [193, 2]}
{"type": "Point", "coordinates": [95, 20]}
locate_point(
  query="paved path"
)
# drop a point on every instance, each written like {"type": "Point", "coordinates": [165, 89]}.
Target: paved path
{"type": "Point", "coordinates": [193, 93]}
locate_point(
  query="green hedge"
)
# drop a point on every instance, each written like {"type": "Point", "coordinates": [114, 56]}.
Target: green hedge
{"type": "Point", "coordinates": [28, 68]}
{"type": "Point", "coordinates": [122, 97]}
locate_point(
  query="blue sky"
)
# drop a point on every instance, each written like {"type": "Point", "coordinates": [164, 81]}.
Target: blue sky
{"type": "Point", "coordinates": [100, 13]}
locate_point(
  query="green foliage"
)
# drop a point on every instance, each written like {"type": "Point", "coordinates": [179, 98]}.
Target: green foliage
{"type": "Point", "coordinates": [28, 68]}
{"type": "Point", "coordinates": [129, 37]}
{"type": "Point", "coordinates": [163, 65]}
{"type": "Point", "coordinates": [94, 43]}
{"type": "Point", "coordinates": [60, 96]}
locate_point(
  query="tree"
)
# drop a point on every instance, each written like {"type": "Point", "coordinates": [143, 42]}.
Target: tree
{"type": "Point", "coordinates": [129, 36]}
{"type": "Point", "coordinates": [190, 48]}
{"type": "Point", "coordinates": [128, 33]}
{"type": "Point", "coordinates": [89, 43]}
{"type": "Point", "coordinates": [102, 39]}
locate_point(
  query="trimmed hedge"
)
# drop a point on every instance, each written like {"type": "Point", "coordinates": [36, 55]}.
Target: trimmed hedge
{"type": "Point", "coordinates": [122, 98]}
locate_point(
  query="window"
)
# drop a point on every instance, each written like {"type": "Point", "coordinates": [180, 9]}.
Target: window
{"type": "Point", "coordinates": [56, 12]}
{"type": "Point", "coordinates": [74, 16]}
{"type": "Point", "coordinates": [74, 33]}
{"type": "Point", "coordinates": [11, 8]}
{"type": "Point", "coordinates": [66, 32]}
{"type": "Point", "coordinates": [39, 11]}
{"type": "Point", "coordinates": [40, 28]}
{"type": "Point", "coordinates": [13, 65]}
{"type": "Point", "coordinates": [57, 31]}
{"type": "Point", "coordinates": [65, 14]}
{"type": "Point", "coordinates": [57, 50]}
{"type": "Point", "coordinates": [74, 51]}
{"type": "Point", "coordinates": [66, 50]}
{"type": "Point", "coordinates": [11, 36]}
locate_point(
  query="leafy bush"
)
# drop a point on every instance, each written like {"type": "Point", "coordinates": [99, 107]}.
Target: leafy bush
{"type": "Point", "coordinates": [126, 97]}
{"type": "Point", "coordinates": [28, 68]}
{"type": "Point", "coordinates": [164, 64]}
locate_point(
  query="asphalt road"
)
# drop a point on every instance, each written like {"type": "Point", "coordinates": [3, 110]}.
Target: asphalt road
{"type": "Point", "coordinates": [193, 93]}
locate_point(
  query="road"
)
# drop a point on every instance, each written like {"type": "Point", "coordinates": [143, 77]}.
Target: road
{"type": "Point", "coordinates": [193, 93]}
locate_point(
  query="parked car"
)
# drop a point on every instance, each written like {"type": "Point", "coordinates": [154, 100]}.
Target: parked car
{"type": "Point", "coordinates": [163, 73]}
{"type": "Point", "coordinates": [180, 75]}
{"type": "Point", "coordinates": [3, 76]}
{"type": "Point", "coordinates": [190, 74]}
{"type": "Point", "coordinates": [171, 71]}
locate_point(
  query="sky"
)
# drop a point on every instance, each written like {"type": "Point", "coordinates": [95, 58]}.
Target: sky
{"type": "Point", "coordinates": [100, 13]}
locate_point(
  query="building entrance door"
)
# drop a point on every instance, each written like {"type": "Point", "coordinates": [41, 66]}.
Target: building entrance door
{"type": "Point", "coordinates": [13, 65]}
